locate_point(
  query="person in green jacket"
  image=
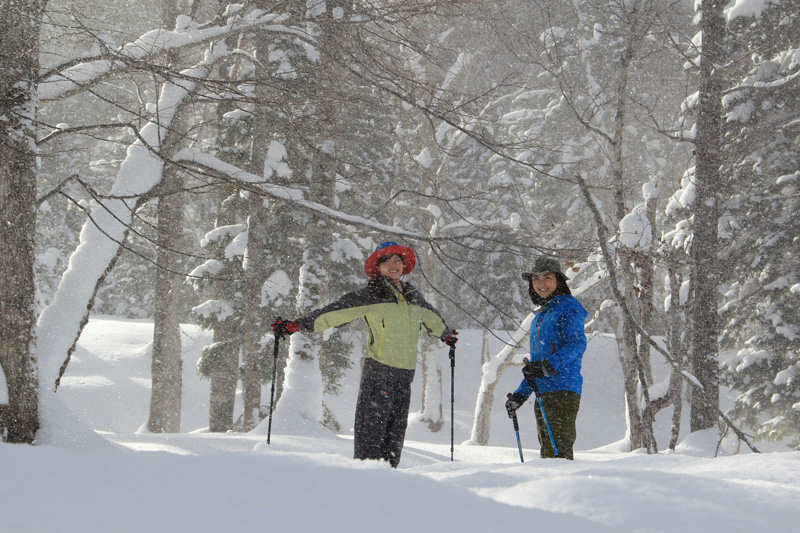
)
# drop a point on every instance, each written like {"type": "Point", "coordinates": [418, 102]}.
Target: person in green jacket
{"type": "Point", "coordinates": [394, 313]}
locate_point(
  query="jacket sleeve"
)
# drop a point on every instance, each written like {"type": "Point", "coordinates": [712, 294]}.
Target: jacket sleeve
{"type": "Point", "coordinates": [432, 320]}
{"type": "Point", "coordinates": [524, 389]}
{"type": "Point", "coordinates": [346, 309]}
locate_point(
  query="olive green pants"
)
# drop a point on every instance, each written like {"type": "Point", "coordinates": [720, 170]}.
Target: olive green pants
{"type": "Point", "coordinates": [561, 409]}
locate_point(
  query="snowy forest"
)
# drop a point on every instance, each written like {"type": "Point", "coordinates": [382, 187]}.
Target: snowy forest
{"type": "Point", "coordinates": [195, 161]}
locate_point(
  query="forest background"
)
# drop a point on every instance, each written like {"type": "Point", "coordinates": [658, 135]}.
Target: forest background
{"type": "Point", "coordinates": [225, 164]}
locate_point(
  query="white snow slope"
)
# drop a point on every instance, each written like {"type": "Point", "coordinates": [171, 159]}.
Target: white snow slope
{"type": "Point", "coordinates": [96, 470]}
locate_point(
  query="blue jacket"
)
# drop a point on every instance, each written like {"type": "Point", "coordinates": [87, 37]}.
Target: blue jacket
{"type": "Point", "coordinates": [557, 335]}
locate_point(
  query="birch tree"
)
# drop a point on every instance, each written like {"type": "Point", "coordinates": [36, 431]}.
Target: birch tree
{"type": "Point", "coordinates": [167, 363]}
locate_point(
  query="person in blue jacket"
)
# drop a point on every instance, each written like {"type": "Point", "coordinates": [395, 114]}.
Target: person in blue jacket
{"type": "Point", "coordinates": [557, 343]}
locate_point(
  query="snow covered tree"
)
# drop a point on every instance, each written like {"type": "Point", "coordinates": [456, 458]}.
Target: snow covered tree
{"type": "Point", "coordinates": [758, 235]}
{"type": "Point", "coordinates": [457, 125]}
{"type": "Point", "coordinates": [223, 312]}
{"type": "Point", "coordinates": [83, 140]}
{"type": "Point", "coordinates": [105, 232]}
{"type": "Point", "coordinates": [731, 200]}
{"type": "Point", "coordinates": [598, 72]}
{"type": "Point", "coordinates": [263, 159]}
{"type": "Point", "coordinates": [302, 398]}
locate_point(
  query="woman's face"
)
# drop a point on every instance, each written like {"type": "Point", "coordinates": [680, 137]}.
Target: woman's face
{"type": "Point", "coordinates": [392, 267]}
{"type": "Point", "coordinates": [544, 284]}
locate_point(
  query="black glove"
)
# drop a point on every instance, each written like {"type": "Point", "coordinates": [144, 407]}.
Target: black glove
{"type": "Point", "coordinates": [514, 402]}
{"type": "Point", "coordinates": [452, 339]}
{"type": "Point", "coordinates": [537, 369]}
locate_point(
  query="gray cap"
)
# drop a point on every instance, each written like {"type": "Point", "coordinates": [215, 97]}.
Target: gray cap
{"type": "Point", "coordinates": [542, 265]}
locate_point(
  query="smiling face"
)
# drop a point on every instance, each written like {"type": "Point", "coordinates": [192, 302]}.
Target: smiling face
{"type": "Point", "coordinates": [391, 267]}
{"type": "Point", "coordinates": [544, 284]}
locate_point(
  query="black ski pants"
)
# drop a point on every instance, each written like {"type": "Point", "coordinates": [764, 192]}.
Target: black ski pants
{"type": "Point", "coordinates": [382, 412]}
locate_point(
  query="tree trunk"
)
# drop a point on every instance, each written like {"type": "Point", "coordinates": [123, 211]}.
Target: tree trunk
{"type": "Point", "coordinates": [646, 266]}
{"type": "Point", "coordinates": [252, 351]}
{"type": "Point", "coordinates": [167, 364]}
{"type": "Point", "coordinates": [492, 371]}
{"type": "Point", "coordinates": [256, 264]}
{"type": "Point", "coordinates": [19, 65]}
{"type": "Point", "coordinates": [482, 428]}
{"type": "Point", "coordinates": [431, 362]}
{"type": "Point", "coordinates": [431, 383]}
{"type": "Point", "coordinates": [630, 373]}
{"type": "Point", "coordinates": [675, 331]}
{"type": "Point", "coordinates": [483, 419]}
{"type": "Point", "coordinates": [705, 278]}
{"type": "Point", "coordinates": [647, 299]}
{"type": "Point", "coordinates": [634, 375]}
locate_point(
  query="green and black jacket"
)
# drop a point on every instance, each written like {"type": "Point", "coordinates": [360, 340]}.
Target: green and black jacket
{"type": "Point", "coordinates": [394, 321]}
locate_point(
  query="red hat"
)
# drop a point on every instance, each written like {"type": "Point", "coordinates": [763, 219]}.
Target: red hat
{"type": "Point", "coordinates": [390, 248]}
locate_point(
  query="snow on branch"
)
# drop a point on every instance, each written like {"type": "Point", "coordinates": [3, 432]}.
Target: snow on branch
{"type": "Point", "coordinates": [747, 8]}
{"type": "Point", "coordinates": [491, 368]}
{"type": "Point", "coordinates": [282, 193]}
{"type": "Point", "coordinates": [102, 235]}
{"type": "Point", "coordinates": [153, 43]}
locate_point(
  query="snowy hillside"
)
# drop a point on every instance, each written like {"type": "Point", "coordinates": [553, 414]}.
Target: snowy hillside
{"type": "Point", "coordinates": [108, 380]}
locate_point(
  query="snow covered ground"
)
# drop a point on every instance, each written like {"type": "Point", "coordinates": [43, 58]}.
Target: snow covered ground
{"type": "Point", "coordinates": [115, 477]}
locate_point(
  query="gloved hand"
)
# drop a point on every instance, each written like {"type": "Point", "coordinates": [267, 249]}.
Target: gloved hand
{"type": "Point", "coordinates": [452, 339]}
{"type": "Point", "coordinates": [514, 402]}
{"type": "Point", "coordinates": [285, 327]}
{"type": "Point", "coordinates": [537, 369]}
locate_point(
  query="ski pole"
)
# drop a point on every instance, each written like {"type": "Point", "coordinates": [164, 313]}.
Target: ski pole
{"type": "Point", "coordinates": [452, 394]}
{"type": "Point", "coordinates": [516, 430]}
{"type": "Point", "coordinates": [541, 408]}
{"type": "Point", "coordinates": [546, 423]}
{"type": "Point", "coordinates": [278, 335]}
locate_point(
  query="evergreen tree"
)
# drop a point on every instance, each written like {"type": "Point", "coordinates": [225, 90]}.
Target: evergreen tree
{"type": "Point", "coordinates": [760, 232]}
{"type": "Point", "coordinates": [223, 275]}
